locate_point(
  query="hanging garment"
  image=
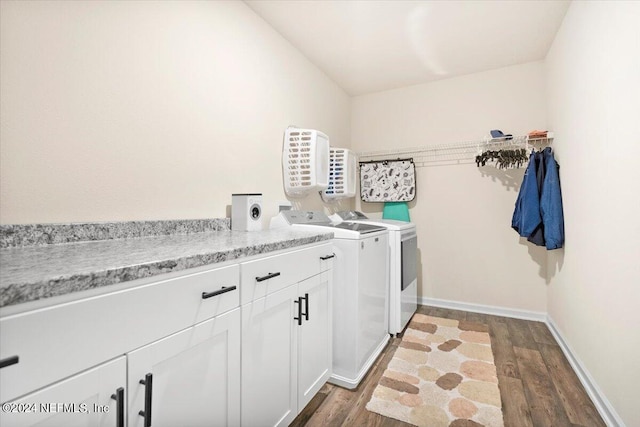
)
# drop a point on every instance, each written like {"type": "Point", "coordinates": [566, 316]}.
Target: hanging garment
{"type": "Point", "coordinates": [538, 213]}
{"type": "Point", "coordinates": [551, 203]}
{"type": "Point", "coordinates": [537, 236]}
{"type": "Point", "coordinates": [526, 216]}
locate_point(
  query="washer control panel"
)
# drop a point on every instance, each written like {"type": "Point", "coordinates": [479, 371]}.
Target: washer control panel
{"type": "Point", "coordinates": [306, 217]}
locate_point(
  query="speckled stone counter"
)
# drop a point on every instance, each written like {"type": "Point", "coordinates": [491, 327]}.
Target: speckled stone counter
{"type": "Point", "coordinates": [19, 235]}
{"type": "Point", "coordinates": [32, 273]}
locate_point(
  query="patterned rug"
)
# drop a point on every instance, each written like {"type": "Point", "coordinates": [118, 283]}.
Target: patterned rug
{"type": "Point", "coordinates": [441, 375]}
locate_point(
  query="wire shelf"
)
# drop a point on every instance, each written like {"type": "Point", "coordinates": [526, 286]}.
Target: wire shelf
{"type": "Point", "coordinates": [455, 153]}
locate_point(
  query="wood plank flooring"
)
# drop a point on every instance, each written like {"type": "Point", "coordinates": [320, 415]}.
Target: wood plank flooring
{"type": "Point", "coordinates": [537, 384]}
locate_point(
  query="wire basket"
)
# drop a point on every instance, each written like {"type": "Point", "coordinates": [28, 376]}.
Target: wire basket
{"type": "Point", "coordinates": [342, 174]}
{"type": "Point", "coordinates": [305, 161]}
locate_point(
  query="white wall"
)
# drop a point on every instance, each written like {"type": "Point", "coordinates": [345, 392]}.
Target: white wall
{"type": "Point", "coordinates": [593, 72]}
{"type": "Point", "coordinates": [149, 110]}
{"type": "Point", "coordinates": [469, 253]}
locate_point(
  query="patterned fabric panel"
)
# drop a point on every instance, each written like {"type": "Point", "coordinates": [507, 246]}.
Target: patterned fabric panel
{"type": "Point", "coordinates": [388, 181]}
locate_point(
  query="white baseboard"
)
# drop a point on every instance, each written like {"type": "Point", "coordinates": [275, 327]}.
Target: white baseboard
{"type": "Point", "coordinates": [537, 316]}
{"type": "Point", "coordinates": [602, 404]}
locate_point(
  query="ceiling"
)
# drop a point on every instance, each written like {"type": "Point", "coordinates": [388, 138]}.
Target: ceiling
{"type": "Point", "coordinates": [373, 45]}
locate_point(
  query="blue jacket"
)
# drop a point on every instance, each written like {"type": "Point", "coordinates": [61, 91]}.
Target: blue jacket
{"type": "Point", "coordinates": [551, 203]}
{"type": "Point", "coordinates": [537, 236]}
{"type": "Point", "coordinates": [538, 213]}
{"type": "Point", "coordinates": [526, 216]}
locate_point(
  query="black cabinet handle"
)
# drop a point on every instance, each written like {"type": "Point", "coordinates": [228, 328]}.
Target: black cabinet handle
{"type": "Point", "coordinates": [326, 257]}
{"type": "Point", "coordinates": [267, 277]}
{"type": "Point", "coordinates": [306, 306]}
{"type": "Point", "coordinates": [9, 361]}
{"type": "Point", "coordinates": [299, 318]}
{"type": "Point", "coordinates": [147, 382]}
{"type": "Point", "coordinates": [224, 289]}
{"type": "Point", "coordinates": [118, 396]}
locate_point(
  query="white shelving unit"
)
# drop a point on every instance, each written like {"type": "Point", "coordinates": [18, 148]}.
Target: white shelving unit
{"type": "Point", "coordinates": [456, 153]}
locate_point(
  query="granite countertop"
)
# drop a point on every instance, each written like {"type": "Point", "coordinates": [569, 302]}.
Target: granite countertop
{"type": "Point", "coordinates": [36, 272]}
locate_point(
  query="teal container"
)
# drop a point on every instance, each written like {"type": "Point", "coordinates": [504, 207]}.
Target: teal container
{"type": "Point", "coordinates": [396, 210]}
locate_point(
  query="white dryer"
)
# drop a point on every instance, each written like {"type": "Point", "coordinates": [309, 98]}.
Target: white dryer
{"type": "Point", "coordinates": [403, 266]}
{"type": "Point", "coordinates": [360, 291]}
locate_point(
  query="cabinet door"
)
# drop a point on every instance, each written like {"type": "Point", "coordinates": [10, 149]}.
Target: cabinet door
{"type": "Point", "coordinates": [195, 376]}
{"type": "Point", "coordinates": [314, 337]}
{"type": "Point", "coordinates": [269, 359]}
{"type": "Point", "coordinates": [81, 400]}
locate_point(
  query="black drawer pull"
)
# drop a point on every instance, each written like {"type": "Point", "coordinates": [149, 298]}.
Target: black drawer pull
{"type": "Point", "coordinates": [324, 258]}
{"type": "Point", "coordinates": [299, 318]}
{"type": "Point", "coordinates": [224, 289]}
{"type": "Point", "coordinates": [306, 306]}
{"type": "Point", "coordinates": [9, 361]}
{"type": "Point", "coordinates": [267, 277]}
{"type": "Point", "coordinates": [147, 382]}
{"type": "Point", "coordinates": [118, 396]}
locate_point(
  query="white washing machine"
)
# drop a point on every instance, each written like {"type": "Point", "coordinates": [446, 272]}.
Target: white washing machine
{"type": "Point", "coordinates": [403, 266]}
{"type": "Point", "coordinates": [360, 291]}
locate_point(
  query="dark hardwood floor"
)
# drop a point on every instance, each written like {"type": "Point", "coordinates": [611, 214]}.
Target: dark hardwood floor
{"type": "Point", "coordinates": [537, 384]}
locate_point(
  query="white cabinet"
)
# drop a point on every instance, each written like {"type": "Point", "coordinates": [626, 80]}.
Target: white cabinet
{"type": "Point", "coordinates": [179, 350]}
{"type": "Point", "coordinates": [186, 331]}
{"type": "Point", "coordinates": [286, 338]}
{"type": "Point", "coordinates": [269, 359]}
{"type": "Point", "coordinates": [61, 340]}
{"type": "Point", "coordinates": [92, 398]}
{"type": "Point", "coordinates": [314, 337]}
{"type": "Point", "coordinates": [190, 377]}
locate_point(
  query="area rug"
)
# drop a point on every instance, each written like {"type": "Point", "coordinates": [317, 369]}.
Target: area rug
{"type": "Point", "coordinates": [441, 375]}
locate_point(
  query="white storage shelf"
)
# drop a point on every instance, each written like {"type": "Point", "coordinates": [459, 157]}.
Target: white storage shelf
{"type": "Point", "coordinates": [455, 153]}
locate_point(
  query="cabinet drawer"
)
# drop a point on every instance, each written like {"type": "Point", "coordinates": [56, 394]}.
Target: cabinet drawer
{"type": "Point", "coordinates": [55, 342]}
{"type": "Point", "coordinates": [270, 274]}
{"type": "Point", "coordinates": [326, 260]}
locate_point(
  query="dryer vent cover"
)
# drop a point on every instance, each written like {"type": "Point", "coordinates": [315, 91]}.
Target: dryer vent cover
{"type": "Point", "coordinates": [305, 161]}
{"type": "Point", "coordinates": [342, 174]}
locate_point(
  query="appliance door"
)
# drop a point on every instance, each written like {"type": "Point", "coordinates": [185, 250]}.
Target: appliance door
{"type": "Point", "coordinates": [409, 256]}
